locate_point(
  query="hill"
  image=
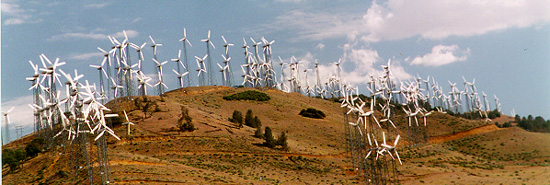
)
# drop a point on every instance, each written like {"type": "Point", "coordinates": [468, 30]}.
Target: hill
{"type": "Point", "coordinates": [219, 152]}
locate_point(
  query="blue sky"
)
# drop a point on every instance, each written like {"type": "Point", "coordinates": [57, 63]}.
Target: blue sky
{"type": "Point", "coordinates": [504, 45]}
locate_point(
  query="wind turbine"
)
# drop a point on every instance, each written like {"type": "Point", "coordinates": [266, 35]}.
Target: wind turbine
{"type": "Point", "coordinates": [184, 40]}
{"type": "Point", "coordinates": [246, 62]}
{"type": "Point", "coordinates": [223, 71]}
{"type": "Point", "coordinates": [128, 122]}
{"type": "Point", "coordinates": [160, 83]}
{"type": "Point", "coordinates": [143, 82]}
{"type": "Point", "coordinates": [227, 59]}
{"type": "Point", "coordinates": [154, 46]}
{"type": "Point", "coordinates": [140, 53]}
{"type": "Point", "coordinates": [226, 70]}
{"type": "Point", "coordinates": [201, 69]}
{"type": "Point", "coordinates": [180, 75]}
{"type": "Point", "coordinates": [7, 118]}
{"type": "Point", "coordinates": [100, 70]}
{"type": "Point", "coordinates": [211, 80]}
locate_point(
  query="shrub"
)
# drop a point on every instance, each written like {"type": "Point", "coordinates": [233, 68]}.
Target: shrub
{"type": "Point", "coordinates": [35, 146]}
{"type": "Point", "coordinates": [268, 136]}
{"type": "Point", "coordinates": [248, 95]}
{"type": "Point", "coordinates": [312, 113]}
{"type": "Point", "coordinates": [185, 122]}
{"type": "Point", "coordinates": [13, 157]}
{"type": "Point", "coordinates": [237, 118]}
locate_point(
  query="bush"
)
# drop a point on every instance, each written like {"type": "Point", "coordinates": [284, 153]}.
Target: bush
{"type": "Point", "coordinates": [268, 136]}
{"type": "Point", "coordinates": [237, 118]}
{"type": "Point", "coordinates": [312, 113]}
{"type": "Point", "coordinates": [34, 147]}
{"type": "Point", "coordinates": [185, 122]}
{"type": "Point", "coordinates": [248, 95]}
{"type": "Point", "coordinates": [13, 157]}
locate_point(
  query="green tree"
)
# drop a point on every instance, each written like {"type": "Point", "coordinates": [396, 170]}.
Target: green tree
{"type": "Point", "coordinates": [249, 118]}
{"type": "Point", "coordinates": [268, 136]}
{"type": "Point", "coordinates": [185, 122]}
{"type": "Point", "coordinates": [257, 123]}
{"type": "Point", "coordinates": [282, 141]}
{"type": "Point", "coordinates": [237, 117]}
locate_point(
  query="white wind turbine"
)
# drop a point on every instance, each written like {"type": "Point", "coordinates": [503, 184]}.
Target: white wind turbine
{"type": "Point", "coordinates": [160, 82]}
{"type": "Point", "coordinates": [143, 81]}
{"type": "Point", "coordinates": [100, 69]}
{"type": "Point", "coordinates": [128, 122]}
{"type": "Point", "coordinates": [7, 118]}
{"type": "Point", "coordinates": [178, 72]}
{"type": "Point", "coordinates": [201, 69]}
{"type": "Point", "coordinates": [227, 62]}
{"type": "Point", "coordinates": [211, 80]}
{"type": "Point", "coordinates": [140, 53]}
{"type": "Point", "coordinates": [154, 46]}
{"type": "Point", "coordinates": [180, 77]}
{"type": "Point", "coordinates": [226, 70]}
{"type": "Point", "coordinates": [223, 71]}
{"type": "Point", "coordinates": [184, 40]}
{"type": "Point", "coordinates": [390, 148]}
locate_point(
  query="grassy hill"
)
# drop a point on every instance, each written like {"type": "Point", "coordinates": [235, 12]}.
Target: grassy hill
{"type": "Point", "coordinates": [219, 152]}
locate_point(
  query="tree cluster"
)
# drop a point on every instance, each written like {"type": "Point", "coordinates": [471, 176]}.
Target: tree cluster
{"type": "Point", "coordinates": [251, 120]}
{"type": "Point", "coordinates": [536, 124]}
{"type": "Point", "coordinates": [14, 157]}
{"type": "Point", "coordinates": [270, 140]}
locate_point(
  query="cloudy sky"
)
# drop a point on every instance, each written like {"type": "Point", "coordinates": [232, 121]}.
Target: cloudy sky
{"type": "Point", "coordinates": [504, 45]}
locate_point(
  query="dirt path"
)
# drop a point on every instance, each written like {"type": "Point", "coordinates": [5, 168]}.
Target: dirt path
{"type": "Point", "coordinates": [478, 130]}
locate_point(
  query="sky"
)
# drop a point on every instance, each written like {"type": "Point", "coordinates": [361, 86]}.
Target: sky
{"type": "Point", "coordinates": [504, 45]}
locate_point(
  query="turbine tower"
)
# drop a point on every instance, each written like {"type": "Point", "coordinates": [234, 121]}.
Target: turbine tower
{"type": "Point", "coordinates": [211, 80]}
{"type": "Point", "coordinates": [184, 40]}
{"type": "Point", "coordinates": [7, 121]}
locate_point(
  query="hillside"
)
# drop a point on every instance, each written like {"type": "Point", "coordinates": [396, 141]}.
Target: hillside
{"type": "Point", "coordinates": [219, 152]}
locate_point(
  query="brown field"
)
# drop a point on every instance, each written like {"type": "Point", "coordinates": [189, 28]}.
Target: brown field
{"type": "Point", "coordinates": [459, 151]}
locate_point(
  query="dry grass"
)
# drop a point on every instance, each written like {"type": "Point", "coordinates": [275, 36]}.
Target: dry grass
{"type": "Point", "coordinates": [220, 153]}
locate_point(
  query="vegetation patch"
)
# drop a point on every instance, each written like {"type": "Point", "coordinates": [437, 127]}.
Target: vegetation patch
{"type": "Point", "coordinates": [312, 113]}
{"type": "Point", "coordinates": [248, 95]}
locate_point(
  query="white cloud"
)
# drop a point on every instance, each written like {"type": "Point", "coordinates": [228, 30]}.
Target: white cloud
{"type": "Point", "coordinates": [96, 5]}
{"type": "Point", "coordinates": [94, 36]}
{"type": "Point", "coordinates": [398, 19]}
{"type": "Point", "coordinates": [320, 46]}
{"type": "Point", "coordinates": [85, 56]}
{"type": "Point", "coordinates": [357, 65]}
{"type": "Point", "coordinates": [441, 55]}
{"type": "Point", "coordinates": [16, 15]}
{"type": "Point", "coordinates": [366, 62]}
